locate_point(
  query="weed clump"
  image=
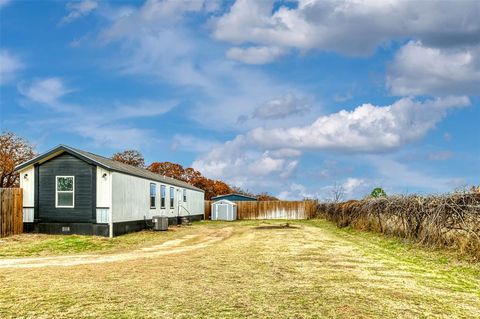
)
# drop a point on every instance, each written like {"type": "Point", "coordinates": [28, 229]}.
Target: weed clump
{"type": "Point", "coordinates": [449, 220]}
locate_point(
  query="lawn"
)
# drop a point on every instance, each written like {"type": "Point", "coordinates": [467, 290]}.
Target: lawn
{"type": "Point", "coordinates": [235, 270]}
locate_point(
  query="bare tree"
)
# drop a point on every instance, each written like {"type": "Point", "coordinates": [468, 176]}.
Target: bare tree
{"type": "Point", "coordinates": [14, 150]}
{"type": "Point", "coordinates": [337, 193]}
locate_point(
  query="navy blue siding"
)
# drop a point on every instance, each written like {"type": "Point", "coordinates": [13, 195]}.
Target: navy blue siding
{"type": "Point", "coordinates": [85, 192]}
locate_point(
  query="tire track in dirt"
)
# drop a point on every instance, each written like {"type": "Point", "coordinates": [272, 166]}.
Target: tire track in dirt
{"type": "Point", "coordinates": [169, 247]}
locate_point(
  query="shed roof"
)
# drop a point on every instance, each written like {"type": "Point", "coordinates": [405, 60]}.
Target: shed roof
{"type": "Point", "coordinates": [224, 201]}
{"type": "Point", "coordinates": [233, 194]}
{"type": "Point", "coordinates": [106, 163]}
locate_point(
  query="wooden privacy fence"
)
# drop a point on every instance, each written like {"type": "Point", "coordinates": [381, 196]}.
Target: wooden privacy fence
{"type": "Point", "coordinates": [11, 211]}
{"type": "Point", "coordinates": [270, 209]}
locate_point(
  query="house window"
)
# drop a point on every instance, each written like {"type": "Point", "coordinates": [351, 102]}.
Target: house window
{"type": "Point", "coordinates": [65, 192]}
{"type": "Point", "coordinates": [184, 195]}
{"type": "Point", "coordinates": [172, 197]}
{"type": "Point", "coordinates": [153, 195]}
{"type": "Point", "coordinates": [162, 196]}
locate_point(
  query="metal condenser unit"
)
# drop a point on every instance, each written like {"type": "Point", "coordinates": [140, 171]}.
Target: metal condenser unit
{"type": "Point", "coordinates": [160, 222]}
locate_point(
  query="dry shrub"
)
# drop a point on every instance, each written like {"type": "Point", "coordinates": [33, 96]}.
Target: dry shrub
{"type": "Point", "coordinates": [450, 220]}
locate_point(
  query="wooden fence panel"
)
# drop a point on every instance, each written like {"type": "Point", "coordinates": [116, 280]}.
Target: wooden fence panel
{"type": "Point", "coordinates": [207, 210]}
{"type": "Point", "coordinates": [11, 211]}
{"type": "Point", "coordinates": [271, 209]}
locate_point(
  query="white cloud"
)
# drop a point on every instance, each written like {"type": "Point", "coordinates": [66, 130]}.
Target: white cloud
{"type": "Point", "coordinates": [239, 164]}
{"type": "Point", "coordinates": [9, 67]}
{"type": "Point", "coordinates": [367, 128]}
{"type": "Point", "coordinates": [102, 125]}
{"type": "Point", "coordinates": [419, 70]}
{"type": "Point", "coordinates": [285, 153]}
{"type": "Point", "coordinates": [270, 153]}
{"type": "Point", "coordinates": [152, 17]}
{"type": "Point", "coordinates": [296, 191]}
{"type": "Point", "coordinates": [255, 55]}
{"type": "Point", "coordinates": [348, 27]}
{"type": "Point", "coordinates": [142, 108]}
{"type": "Point", "coordinates": [282, 107]}
{"type": "Point", "coordinates": [78, 10]}
{"type": "Point", "coordinates": [46, 91]}
{"type": "Point", "coordinates": [217, 90]}
{"type": "Point", "coordinates": [112, 135]}
{"type": "Point", "coordinates": [352, 185]}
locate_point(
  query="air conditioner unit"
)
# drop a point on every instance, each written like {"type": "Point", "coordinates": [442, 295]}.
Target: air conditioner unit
{"type": "Point", "coordinates": [160, 222]}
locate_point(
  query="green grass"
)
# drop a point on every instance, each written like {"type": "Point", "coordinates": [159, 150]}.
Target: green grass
{"type": "Point", "coordinates": [315, 270]}
{"type": "Point", "coordinates": [447, 265]}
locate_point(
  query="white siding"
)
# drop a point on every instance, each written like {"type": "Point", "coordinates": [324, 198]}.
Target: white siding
{"type": "Point", "coordinates": [194, 204]}
{"type": "Point", "coordinates": [28, 215]}
{"type": "Point", "coordinates": [131, 199]}
{"type": "Point", "coordinates": [103, 215]}
{"type": "Point", "coordinates": [104, 188]}
{"type": "Point", "coordinates": [27, 182]}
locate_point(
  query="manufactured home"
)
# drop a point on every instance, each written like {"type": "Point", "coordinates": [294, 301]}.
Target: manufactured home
{"type": "Point", "coordinates": [70, 191]}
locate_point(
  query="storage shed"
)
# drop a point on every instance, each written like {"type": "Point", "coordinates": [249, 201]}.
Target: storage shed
{"type": "Point", "coordinates": [224, 210]}
{"type": "Point", "coordinates": [70, 191]}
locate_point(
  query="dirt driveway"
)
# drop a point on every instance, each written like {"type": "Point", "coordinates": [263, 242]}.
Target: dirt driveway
{"type": "Point", "coordinates": [183, 244]}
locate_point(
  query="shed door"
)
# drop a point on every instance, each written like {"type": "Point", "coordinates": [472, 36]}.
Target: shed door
{"type": "Point", "coordinates": [222, 211]}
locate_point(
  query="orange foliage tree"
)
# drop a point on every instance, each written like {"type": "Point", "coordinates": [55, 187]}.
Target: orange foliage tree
{"type": "Point", "coordinates": [130, 157]}
{"type": "Point", "coordinates": [211, 187]}
{"type": "Point", "coordinates": [168, 169]}
{"type": "Point", "coordinates": [14, 150]}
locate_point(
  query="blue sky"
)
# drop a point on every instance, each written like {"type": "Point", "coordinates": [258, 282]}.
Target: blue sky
{"type": "Point", "coordinates": [286, 97]}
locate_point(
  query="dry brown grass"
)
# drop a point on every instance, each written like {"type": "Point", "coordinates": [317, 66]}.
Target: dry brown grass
{"type": "Point", "coordinates": [451, 220]}
{"type": "Point", "coordinates": [312, 271]}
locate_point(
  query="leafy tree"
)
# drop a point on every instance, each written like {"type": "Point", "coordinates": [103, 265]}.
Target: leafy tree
{"type": "Point", "coordinates": [130, 157]}
{"type": "Point", "coordinates": [168, 169]}
{"type": "Point", "coordinates": [378, 192]}
{"type": "Point", "coordinates": [211, 187]}
{"type": "Point", "coordinates": [220, 188]}
{"type": "Point", "coordinates": [14, 150]}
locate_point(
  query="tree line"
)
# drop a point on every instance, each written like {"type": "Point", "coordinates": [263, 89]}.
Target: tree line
{"type": "Point", "coordinates": [15, 150]}
{"type": "Point", "coordinates": [189, 175]}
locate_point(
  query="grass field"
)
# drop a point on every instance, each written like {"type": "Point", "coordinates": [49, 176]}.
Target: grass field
{"type": "Point", "coordinates": [234, 270]}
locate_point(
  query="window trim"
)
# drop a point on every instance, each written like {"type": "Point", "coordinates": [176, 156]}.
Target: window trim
{"type": "Point", "coordinates": [163, 196]}
{"type": "Point", "coordinates": [184, 195]}
{"type": "Point", "coordinates": [172, 197]}
{"type": "Point", "coordinates": [154, 196]}
{"type": "Point", "coordinates": [57, 192]}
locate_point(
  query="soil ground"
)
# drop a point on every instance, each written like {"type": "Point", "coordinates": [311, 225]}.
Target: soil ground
{"type": "Point", "coordinates": [235, 270]}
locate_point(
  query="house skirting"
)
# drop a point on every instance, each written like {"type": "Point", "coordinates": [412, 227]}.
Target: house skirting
{"type": "Point", "coordinates": [90, 229]}
{"type": "Point", "coordinates": [94, 229]}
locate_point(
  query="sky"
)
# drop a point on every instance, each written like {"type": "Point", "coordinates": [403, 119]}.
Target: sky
{"type": "Point", "coordinates": [291, 98]}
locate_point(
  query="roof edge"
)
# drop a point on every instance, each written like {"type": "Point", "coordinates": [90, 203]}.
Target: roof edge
{"type": "Point", "coordinates": [54, 150]}
{"type": "Point", "coordinates": [90, 160]}
{"type": "Point", "coordinates": [235, 194]}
